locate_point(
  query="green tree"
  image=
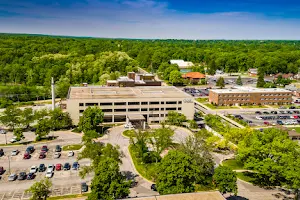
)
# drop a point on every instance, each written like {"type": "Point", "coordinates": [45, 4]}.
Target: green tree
{"type": "Point", "coordinates": [19, 134]}
{"type": "Point", "coordinates": [108, 182]}
{"type": "Point", "coordinates": [220, 82]}
{"type": "Point", "coordinates": [103, 78]}
{"type": "Point", "coordinates": [175, 78]}
{"type": "Point", "coordinates": [193, 124]}
{"type": "Point", "coordinates": [225, 180]}
{"type": "Point", "coordinates": [239, 81]}
{"type": "Point", "coordinates": [161, 139]}
{"type": "Point", "coordinates": [90, 119]}
{"type": "Point", "coordinates": [260, 78]}
{"type": "Point", "coordinates": [41, 114]}
{"type": "Point", "coordinates": [27, 117]}
{"type": "Point", "coordinates": [59, 119]}
{"type": "Point", "coordinates": [11, 117]}
{"type": "Point", "coordinates": [175, 118]}
{"type": "Point", "coordinates": [40, 190]}
{"type": "Point", "coordinates": [176, 173]}
{"type": "Point", "coordinates": [88, 136]}
{"type": "Point", "coordinates": [62, 87]}
{"type": "Point", "coordinates": [43, 128]}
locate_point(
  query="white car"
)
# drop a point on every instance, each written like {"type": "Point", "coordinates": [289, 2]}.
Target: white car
{"type": "Point", "coordinates": [14, 139]}
{"type": "Point", "coordinates": [129, 125]}
{"type": "Point", "coordinates": [50, 168]}
{"type": "Point", "coordinates": [33, 169]}
{"type": "Point", "coordinates": [49, 174]}
{"type": "Point", "coordinates": [57, 155]}
{"type": "Point", "coordinates": [15, 152]}
{"type": "Point", "coordinates": [70, 153]}
{"type": "Point", "coordinates": [12, 177]}
{"type": "Point", "coordinates": [258, 117]}
{"type": "Point", "coordinates": [2, 131]}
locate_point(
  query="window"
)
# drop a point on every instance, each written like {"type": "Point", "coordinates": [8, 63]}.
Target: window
{"type": "Point", "coordinates": [133, 110]}
{"type": "Point", "coordinates": [120, 110]}
{"type": "Point", "coordinates": [152, 109]}
{"type": "Point", "coordinates": [171, 102]}
{"type": "Point", "coordinates": [105, 104]}
{"type": "Point", "coordinates": [106, 110]}
{"type": "Point", "coordinates": [162, 102]}
{"type": "Point", "coordinates": [154, 102]}
{"type": "Point", "coordinates": [120, 118]}
{"type": "Point", "coordinates": [80, 104]}
{"type": "Point", "coordinates": [91, 104]}
{"type": "Point", "coordinates": [144, 103]}
{"type": "Point", "coordinates": [81, 111]}
{"type": "Point", "coordinates": [161, 115]}
{"type": "Point", "coordinates": [107, 119]}
{"type": "Point", "coordinates": [144, 109]}
{"type": "Point", "coordinates": [179, 108]}
{"type": "Point", "coordinates": [154, 115]}
{"type": "Point", "coordinates": [120, 103]}
{"type": "Point", "coordinates": [170, 108]}
{"type": "Point", "coordinates": [179, 102]}
{"type": "Point", "coordinates": [162, 109]}
{"type": "Point", "coordinates": [133, 103]}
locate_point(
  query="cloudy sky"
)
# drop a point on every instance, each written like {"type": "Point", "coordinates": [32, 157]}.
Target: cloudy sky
{"type": "Point", "coordinates": [179, 19]}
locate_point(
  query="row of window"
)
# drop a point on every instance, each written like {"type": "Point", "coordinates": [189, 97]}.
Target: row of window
{"type": "Point", "coordinates": [234, 99]}
{"type": "Point", "coordinates": [136, 110]}
{"type": "Point", "coordinates": [286, 94]}
{"type": "Point", "coordinates": [276, 99]}
{"type": "Point", "coordinates": [248, 95]}
{"type": "Point", "coordinates": [130, 103]}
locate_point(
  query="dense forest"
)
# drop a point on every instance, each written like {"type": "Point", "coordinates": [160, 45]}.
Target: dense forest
{"type": "Point", "coordinates": [31, 60]}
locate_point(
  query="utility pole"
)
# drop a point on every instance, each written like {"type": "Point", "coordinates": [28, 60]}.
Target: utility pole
{"type": "Point", "coordinates": [5, 138]}
{"type": "Point", "coordinates": [53, 93]}
{"type": "Point", "coordinates": [8, 163]}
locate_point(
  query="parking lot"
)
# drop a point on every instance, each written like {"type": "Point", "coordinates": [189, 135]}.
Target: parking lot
{"type": "Point", "coordinates": [231, 80]}
{"type": "Point", "coordinates": [196, 92]}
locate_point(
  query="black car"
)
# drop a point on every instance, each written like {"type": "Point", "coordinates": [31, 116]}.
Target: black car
{"type": "Point", "coordinates": [153, 187]}
{"type": "Point", "coordinates": [57, 148]}
{"type": "Point", "coordinates": [258, 112]}
{"type": "Point", "coordinates": [67, 166]}
{"type": "Point", "coordinates": [30, 176]}
{"type": "Point", "coordinates": [84, 187]}
{"type": "Point", "coordinates": [22, 176]}
{"type": "Point", "coordinates": [1, 152]}
{"type": "Point", "coordinates": [292, 107]}
{"type": "Point", "coordinates": [279, 122]}
{"type": "Point", "coordinates": [30, 149]}
{"type": "Point", "coordinates": [42, 168]}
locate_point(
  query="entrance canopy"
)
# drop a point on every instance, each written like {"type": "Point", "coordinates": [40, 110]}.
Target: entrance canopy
{"type": "Point", "coordinates": [136, 117]}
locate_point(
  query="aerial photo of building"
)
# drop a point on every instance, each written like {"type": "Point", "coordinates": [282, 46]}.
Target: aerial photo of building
{"type": "Point", "coordinates": [250, 95]}
{"type": "Point", "coordinates": [120, 104]}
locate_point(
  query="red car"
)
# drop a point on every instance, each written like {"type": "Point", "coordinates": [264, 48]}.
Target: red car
{"type": "Point", "coordinates": [1, 170]}
{"type": "Point", "coordinates": [58, 167]}
{"type": "Point", "coordinates": [295, 117]}
{"type": "Point", "coordinates": [26, 155]}
{"type": "Point", "coordinates": [266, 123]}
{"type": "Point", "coordinates": [42, 155]}
{"type": "Point", "coordinates": [44, 149]}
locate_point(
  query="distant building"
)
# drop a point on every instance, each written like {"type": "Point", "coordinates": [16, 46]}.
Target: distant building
{"type": "Point", "coordinates": [252, 72]}
{"type": "Point", "coordinates": [250, 95]}
{"type": "Point", "coordinates": [182, 64]}
{"type": "Point", "coordinates": [285, 76]}
{"type": "Point", "coordinates": [132, 79]}
{"type": "Point", "coordinates": [193, 77]}
{"type": "Point", "coordinates": [219, 72]}
{"type": "Point", "coordinates": [294, 89]}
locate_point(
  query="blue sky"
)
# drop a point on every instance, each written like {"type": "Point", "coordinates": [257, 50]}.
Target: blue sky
{"type": "Point", "coordinates": [179, 19]}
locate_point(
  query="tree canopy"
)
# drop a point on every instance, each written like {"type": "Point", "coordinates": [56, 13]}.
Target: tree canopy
{"type": "Point", "coordinates": [225, 180]}
{"type": "Point", "coordinates": [90, 119]}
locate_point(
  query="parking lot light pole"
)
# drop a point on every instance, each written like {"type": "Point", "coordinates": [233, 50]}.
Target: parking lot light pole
{"type": "Point", "coordinates": [8, 163]}
{"type": "Point", "coordinates": [5, 138]}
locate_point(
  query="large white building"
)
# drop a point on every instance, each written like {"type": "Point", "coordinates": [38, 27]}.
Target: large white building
{"type": "Point", "coordinates": [182, 64]}
{"type": "Point", "coordinates": [120, 104]}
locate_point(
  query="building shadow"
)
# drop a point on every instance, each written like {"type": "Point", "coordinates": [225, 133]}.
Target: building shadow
{"type": "Point", "coordinates": [236, 198]}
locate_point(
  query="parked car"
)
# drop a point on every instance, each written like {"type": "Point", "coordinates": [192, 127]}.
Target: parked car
{"type": "Point", "coordinates": [57, 155]}
{"type": "Point", "coordinates": [2, 131]}
{"type": "Point", "coordinates": [13, 139]}
{"type": "Point", "coordinates": [49, 174]}
{"type": "Point", "coordinates": [30, 176]}
{"type": "Point", "coordinates": [258, 112]}
{"type": "Point", "coordinates": [295, 117]}
{"type": "Point", "coordinates": [1, 152]}
{"type": "Point", "coordinates": [279, 122]}
{"type": "Point", "coordinates": [2, 170]}
{"type": "Point", "coordinates": [128, 125]}
{"type": "Point", "coordinates": [84, 187]}
{"type": "Point", "coordinates": [33, 169]}
{"type": "Point", "coordinates": [42, 155]}
{"type": "Point", "coordinates": [266, 123]}
{"type": "Point", "coordinates": [70, 153]}
{"type": "Point", "coordinates": [292, 107]}
{"type": "Point", "coordinates": [26, 155]}
{"type": "Point", "coordinates": [75, 166]}
{"type": "Point", "coordinates": [58, 167]}
{"type": "Point", "coordinates": [50, 167]}
{"type": "Point", "coordinates": [22, 176]}
{"type": "Point", "coordinates": [12, 177]}
{"type": "Point", "coordinates": [58, 148]}
{"type": "Point", "coordinates": [153, 187]}
{"type": "Point", "coordinates": [44, 148]}
{"type": "Point", "coordinates": [15, 152]}
{"type": "Point", "coordinates": [258, 117]}
{"type": "Point", "coordinates": [67, 166]}
{"type": "Point", "coordinates": [42, 168]}
{"type": "Point", "coordinates": [30, 149]}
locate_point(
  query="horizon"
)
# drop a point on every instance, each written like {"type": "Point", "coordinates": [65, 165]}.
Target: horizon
{"type": "Point", "coordinates": [152, 19]}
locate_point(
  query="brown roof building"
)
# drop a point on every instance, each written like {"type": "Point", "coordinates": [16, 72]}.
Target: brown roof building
{"type": "Point", "coordinates": [193, 77]}
{"type": "Point", "coordinates": [286, 76]}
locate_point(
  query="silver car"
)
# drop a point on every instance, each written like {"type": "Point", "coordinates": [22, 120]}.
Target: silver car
{"type": "Point", "coordinates": [57, 155]}
{"type": "Point", "coordinates": [12, 177]}
{"type": "Point", "coordinates": [14, 152]}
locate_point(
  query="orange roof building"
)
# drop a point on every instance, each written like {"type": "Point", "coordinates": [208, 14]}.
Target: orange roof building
{"type": "Point", "coordinates": [194, 76]}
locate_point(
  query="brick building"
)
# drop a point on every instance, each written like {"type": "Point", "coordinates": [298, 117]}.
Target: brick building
{"type": "Point", "coordinates": [250, 95]}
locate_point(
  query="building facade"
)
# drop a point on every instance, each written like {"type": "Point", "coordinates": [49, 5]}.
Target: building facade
{"type": "Point", "coordinates": [249, 95]}
{"type": "Point", "coordinates": [120, 103]}
{"type": "Point", "coordinates": [132, 79]}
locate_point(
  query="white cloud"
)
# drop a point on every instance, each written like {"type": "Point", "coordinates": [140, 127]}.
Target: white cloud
{"type": "Point", "coordinates": [144, 19]}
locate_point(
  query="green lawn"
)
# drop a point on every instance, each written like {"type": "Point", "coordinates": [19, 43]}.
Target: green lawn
{"type": "Point", "coordinates": [72, 147]}
{"type": "Point", "coordinates": [220, 107]}
{"type": "Point", "coordinates": [297, 129]}
{"type": "Point", "coordinates": [73, 196]}
{"type": "Point", "coordinates": [202, 100]}
{"type": "Point", "coordinates": [246, 176]}
{"type": "Point", "coordinates": [129, 133]}
{"type": "Point", "coordinates": [253, 106]}
{"type": "Point", "coordinates": [232, 164]}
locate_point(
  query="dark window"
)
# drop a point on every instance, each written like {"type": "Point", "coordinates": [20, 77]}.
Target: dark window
{"type": "Point", "coordinates": [154, 115]}
{"type": "Point", "coordinates": [120, 118]}
{"type": "Point", "coordinates": [106, 110]}
{"type": "Point", "coordinates": [170, 108]}
{"type": "Point", "coordinates": [81, 111]}
{"type": "Point", "coordinates": [162, 102]}
{"type": "Point", "coordinates": [80, 104]}
{"type": "Point", "coordinates": [171, 102]}
{"type": "Point", "coordinates": [91, 104]}
{"type": "Point", "coordinates": [162, 108]}
{"type": "Point", "coordinates": [144, 103]}
{"type": "Point", "coordinates": [133, 110]}
{"type": "Point", "coordinates": [120, 110]}
{"type": "Point", "coordinates": [144, 109]}
{"type": "Point", "coordinates": [152, 109]}
{"type": "Point", "coordinates": [105, 104]}
{"type": "Point", "coordinates": [120, 103]}
{"type": "Point", "coordinates": [154, 102]}
{"type": "Point", "coordinates": [179, 102]}
{"type": "Point", "coordinates": [133, 103]}
{"type": "Point", "coordinates": [162, 115]}
{"type": "Point", "coordinates": [107, 119]}
{"type": "Point", "coordinates": [179, 108]}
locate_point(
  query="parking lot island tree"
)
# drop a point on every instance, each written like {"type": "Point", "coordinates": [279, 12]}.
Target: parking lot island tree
{"type": "Point", "coordinates": [239, 81]}
{"type": "Point", "coordinates": [59, 119]}
{"type": "Point", "coordinates": [260, 78]}
{"type": "Point", "coordinates": [175, 118]}
{"type": "Point", "coordinates": [40, 190]}
{"type": "Point", "coordinates": [108, 182]}
{"type": "Point", "coordinates": [220, 82]}
{"type": "Point", "coordinates": [225, 180]}
{"type": "Point", "coordinates": [90, 119]}
{"type": "Point", "coordinates": [176, 173]}
{"type": "Point", "coordinates": [27, 117]}
{"type": "Point", "coordinates": [161, 139]}
{"type": "Point", "coordinates": [18, 133]}
{"type": "Point", "coordinates": [43, 128]}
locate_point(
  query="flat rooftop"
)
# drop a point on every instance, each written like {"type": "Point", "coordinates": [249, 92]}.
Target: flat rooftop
{"type": "Point", "coordinates": [149, 92]}
{"type": "Point", "coordinates": [249, 90]}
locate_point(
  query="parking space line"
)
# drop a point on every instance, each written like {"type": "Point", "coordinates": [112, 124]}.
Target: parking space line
{"type": "Point", "coordinates": [2, 196]}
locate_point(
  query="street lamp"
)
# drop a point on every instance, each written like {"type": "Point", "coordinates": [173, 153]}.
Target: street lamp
{"type": "Point", "coordinates": [5, 138]}
{"type": "Point", "coordinates": [8, 163]}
